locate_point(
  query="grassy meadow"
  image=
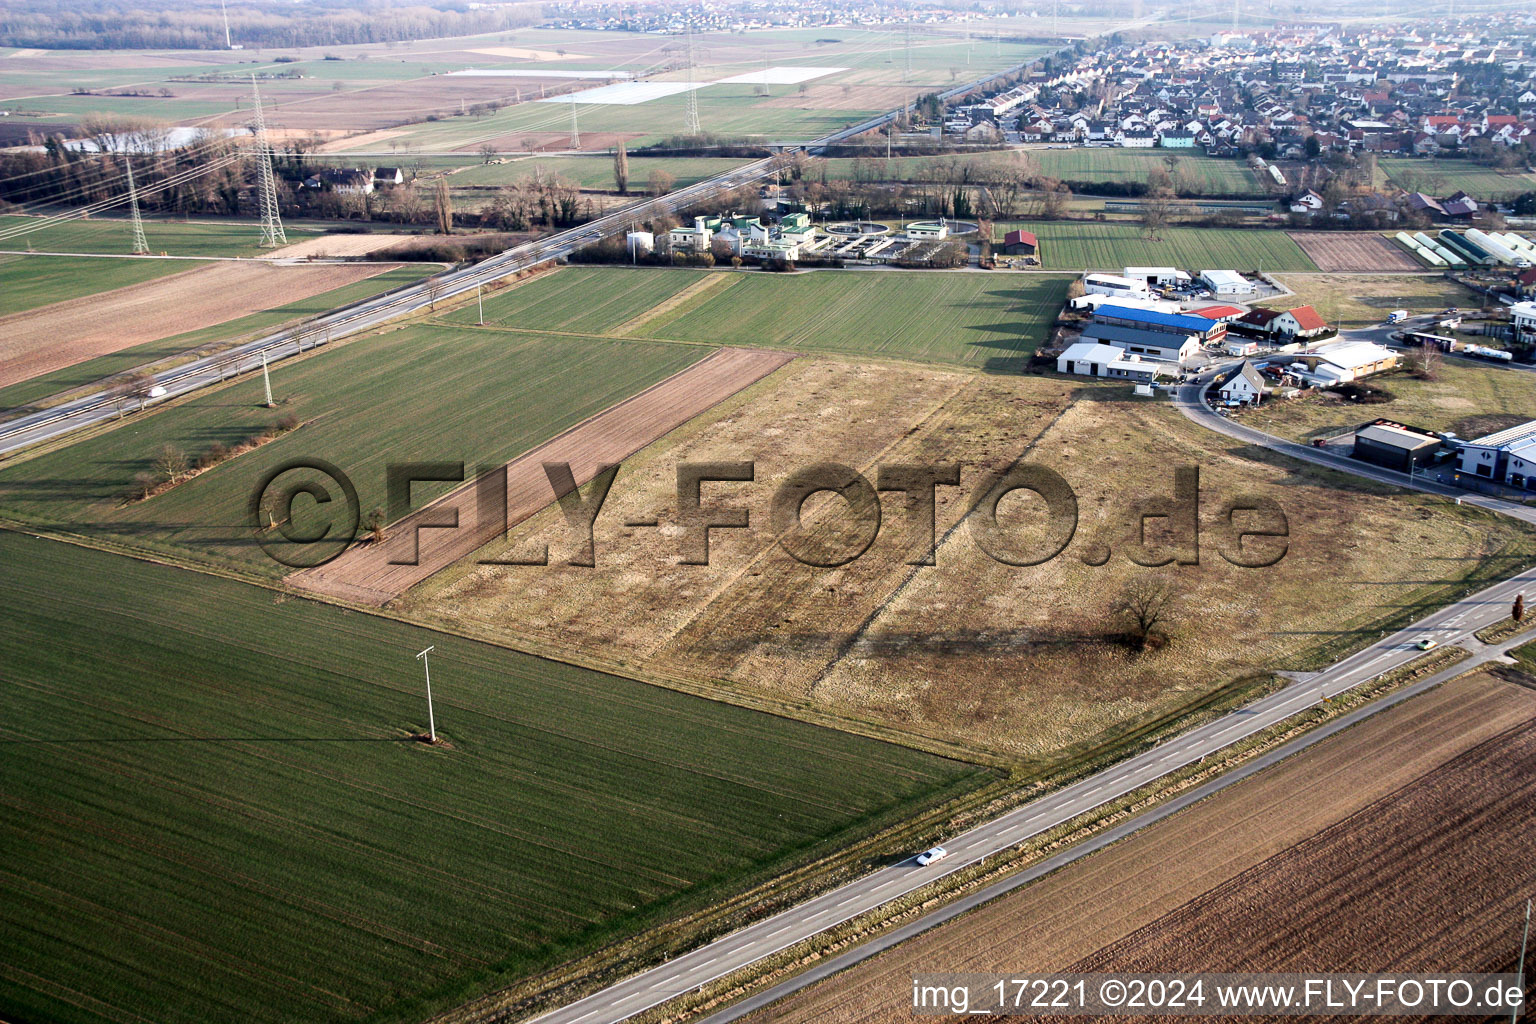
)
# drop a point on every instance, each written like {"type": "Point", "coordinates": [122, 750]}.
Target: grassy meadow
{"type": "Point", "coordinates": [214, 810]}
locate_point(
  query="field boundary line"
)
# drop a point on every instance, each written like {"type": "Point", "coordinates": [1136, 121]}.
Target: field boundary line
{"type": "Point", "coordinates": [702, 290]}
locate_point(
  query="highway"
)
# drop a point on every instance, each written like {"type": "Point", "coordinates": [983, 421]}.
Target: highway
{"type": "Point", "coordinates": [87, 410]}
{"type": "Point", "coordinates": [1454, 624]}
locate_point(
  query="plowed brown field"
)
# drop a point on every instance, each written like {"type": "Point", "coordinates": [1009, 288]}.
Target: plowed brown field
{"type": "Point", "coordinates": [1334, 251]}
{"type": "Point", "coordinates": [366, 574]}
{"type": "Point", "coordinates": [1381, 848]}
{"type": "Point", "coordinates": [338, 245]}
{"type": "Point", "coordinates": [52, 337]}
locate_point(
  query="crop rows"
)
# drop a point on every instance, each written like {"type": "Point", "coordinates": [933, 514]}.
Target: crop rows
{"type": "Point", "coordinates": [214, 812]}
{"type": "Point", "coordinates": [587, 300]}
{"type": "Point", "coordinates": [1075, 245]}
{"type": "Point", "coordinates": [420, 394]}
{"type": "Point", "coordinates": [971, 319]}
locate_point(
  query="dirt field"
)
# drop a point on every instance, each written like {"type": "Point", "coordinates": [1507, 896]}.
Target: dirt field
{"type": "Point", "coordinates": [338, 245]}
{"type": "Point", "coordinates": [365, 573]}
{"type": "Point", "coordinates": [1353, 250]}
{"type": "Point", "coordinates": [1206, 864]}
{"type": "Point", "coordinates": [1025, 661]}
{"type": "Point", "coordinates": [52, 337]}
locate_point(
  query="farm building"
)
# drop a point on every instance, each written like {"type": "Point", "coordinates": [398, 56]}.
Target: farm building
{"type": "Point", "coordinates": [1090, 359]}
{"type": "Point", "coordinates": [1226, 282]}
{"type": "Point", "coordinates": [1109, 284]}
{"type": "Point", "coordinates": [388, 176]}
{"type": "Point", "coordinates": [1244, 384]}
{"type": "Point", "coordinates": [1091, 302]}
{"type": "Point", "coordinates": [1504, 456]}
{"type": "Point", "coordinates": [1021, 243]}
{"type": "Point", "coordinates": [1384, 443]}
{"type": "Point", "coordinates": [1157, 277]}
{"type": "Point", "coordinates": [343, 180]}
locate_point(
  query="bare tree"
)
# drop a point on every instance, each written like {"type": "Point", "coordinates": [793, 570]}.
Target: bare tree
{"type": "Point", "coordinates": [443, 207]}
{"type": "Point", "coordinates": [1146, 604]}
{"type": "Point", "coordinates": [1055, 202]}
{"type": "Point", "coordinates": [621, 169]}
{"type": "Point", "coordinates": [138, 385]}
{"type": "Point", "coordinates": [171, 463]}
{"type": "Point", "coordinates": [661, 182]}
{"type": "Point", "coordinates": [1156, 212]}
{"type": "Point", "coordinates": [434, 290]}
{"type": "Point", "coordinates": [487, 152]}
{"type": "Point", "coordinates": [375, 525]}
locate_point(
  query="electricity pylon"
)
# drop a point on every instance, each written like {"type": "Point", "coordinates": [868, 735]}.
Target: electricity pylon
{"type": "Point", "coordinates": [907, 52]}
{"type": "Point", "coordinates": [272, 234]}
{"type": "Point", "coordinates": [691, 100]}
{"type": "Point", "coordinates": [140, 245]}
{"type": "Point", "coordinates": [575, 128]}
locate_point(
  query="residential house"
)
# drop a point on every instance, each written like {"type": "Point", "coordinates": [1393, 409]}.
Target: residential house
{"type": "Point", "coordinates": [1245, 385]}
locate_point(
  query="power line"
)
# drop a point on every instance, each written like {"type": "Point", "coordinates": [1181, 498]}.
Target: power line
{"type": "Point", "coordinates": [272, 234]}
{"type": "Point", "coordinates": [140, 245]}
{"type": "Point", "coordinates": [691, 102]}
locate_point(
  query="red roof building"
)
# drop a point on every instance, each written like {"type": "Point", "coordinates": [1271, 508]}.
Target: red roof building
{"type": "Point", "coordinates": [1218, 312]}
{"type": "Point", "coordinates": [1020, 243]}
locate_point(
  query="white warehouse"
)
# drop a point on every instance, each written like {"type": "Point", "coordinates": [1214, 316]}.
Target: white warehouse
{"type": "Point", "coordinates": [1226, 283]}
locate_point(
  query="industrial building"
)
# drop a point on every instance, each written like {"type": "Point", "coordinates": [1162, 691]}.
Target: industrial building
{"type": "Point", "coordinates": [1223, 283]}
{"type": "Point", "coordinates": [1506, 456]}
{"type": "Point", "coordinates": [1109, 284]}
{"type": "Point", "coordinates": [1395, 446]}
{"type": "Point", "coordinates": [1091, 359]}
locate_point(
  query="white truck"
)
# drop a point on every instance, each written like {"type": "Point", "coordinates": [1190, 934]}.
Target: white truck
{"type": "Point", "coordinates": [1397, 316]}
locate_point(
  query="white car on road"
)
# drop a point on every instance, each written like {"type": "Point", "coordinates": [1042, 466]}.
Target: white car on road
{"type": "Point", "coordinates": [929, 856]}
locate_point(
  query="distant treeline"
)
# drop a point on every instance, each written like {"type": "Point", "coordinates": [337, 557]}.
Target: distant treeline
{"type": "Point", "coordinates": [198, 25]}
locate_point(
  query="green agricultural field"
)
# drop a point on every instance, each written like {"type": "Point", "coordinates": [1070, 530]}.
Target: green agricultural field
{"type": "Point", "coordinates": [102, 367]}
{"type": "Point", "coordinates": [1442, 177]}
{"type": "Point", "coordinates": [214, 811]}
{"type": "Point", "coordinates": [27, 282]}
{"type": "Point", "coordinates": [582, 300]}
{"type": "Point", "coordinates": [115, 237]}
{"type": "Point", "coordinates": [1196, 174]}
{"type": "Point", "coordinates": [425, 393]}
{"type": "Point", "coordinates": [1193, 173]}
{"type": "Point", "coordinates": [1079, 245]}
{"type": "Point", "coordinates": [988, 321]}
